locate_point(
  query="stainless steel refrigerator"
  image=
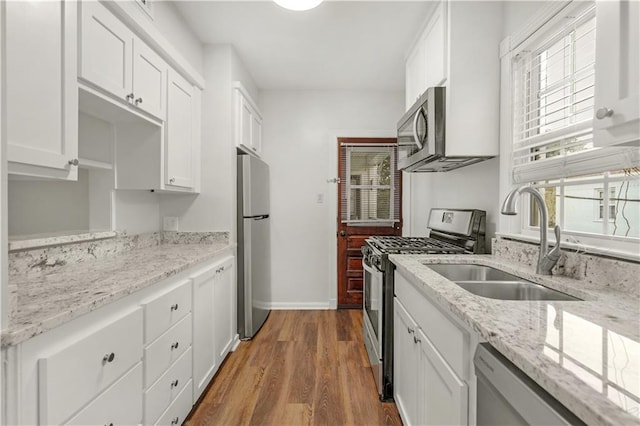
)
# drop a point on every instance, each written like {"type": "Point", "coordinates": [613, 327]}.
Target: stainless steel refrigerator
{"type": "Point", "coordinates": [254, 260]}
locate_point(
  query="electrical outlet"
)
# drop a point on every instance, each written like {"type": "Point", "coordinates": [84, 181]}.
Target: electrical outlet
{"type": "Point", "coordinates": [170, 223]}
{"type": "Point", "coordinates": [320, 198]}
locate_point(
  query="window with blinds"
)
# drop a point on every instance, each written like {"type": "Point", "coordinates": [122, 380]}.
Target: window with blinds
{"type": "Point", "coordinates": [370, 182]}
{"type": "Point", "coordinates": [592, 193]}
{"type": "Point", "coordinates": [553, 106]}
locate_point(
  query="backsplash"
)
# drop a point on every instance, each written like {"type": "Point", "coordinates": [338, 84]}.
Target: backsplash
{"type": "Point", "coordinates": [600, 271]}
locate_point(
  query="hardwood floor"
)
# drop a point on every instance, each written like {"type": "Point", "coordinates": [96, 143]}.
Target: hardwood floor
{"type": "Point", "coordinates": [303, 367]}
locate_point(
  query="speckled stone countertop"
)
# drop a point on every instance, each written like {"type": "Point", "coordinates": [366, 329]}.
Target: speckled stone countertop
{"type": "Point", "coordinates": [584, 353]}
{"type": "Point", "coordinates": [55, 285]}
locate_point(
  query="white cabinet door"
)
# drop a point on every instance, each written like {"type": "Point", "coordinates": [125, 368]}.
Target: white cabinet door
{"type": "Point", "coordinates": [617, 91]}
{"type": "Point", "coordinates": [405, 364]}
{"type": "Point", "coordinates": [179, 132]}
{"type": "Point", "coordinates": [442, 395]}
{"type": "Point", "coordinates": [223, 304]}
{"type": "Point", "coordinates": [414, 75]}
{"type": "Point", "coordinates": [149, 80]}
{"type": "Point", "coordinates": [245, 122]}
{"type": "Point", "coordinates": [204, 350]}
{"type": "Point", "coordinates": [121, 404]}
{"type": "Point", "coordinates": [256, 134]}
{"type": "Point", "coordinates": [435, 71]}
{"type": "Point", "coordinates": [106, 50]}
{"type": "Point", "coordinates": [41, 91]}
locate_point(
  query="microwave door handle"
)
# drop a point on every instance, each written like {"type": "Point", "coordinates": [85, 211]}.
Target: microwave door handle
{"type": "Point", "coordinates": [416, 138]}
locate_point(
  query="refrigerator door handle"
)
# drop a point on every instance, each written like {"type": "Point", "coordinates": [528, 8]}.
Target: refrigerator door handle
{"type": "Point", "coordinates": [257, 217]}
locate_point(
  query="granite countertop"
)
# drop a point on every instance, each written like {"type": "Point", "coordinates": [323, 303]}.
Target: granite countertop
{"type": "Point", "coordinates": [49, 292]}
{"type": "Point", "coordinates": [584, 353]}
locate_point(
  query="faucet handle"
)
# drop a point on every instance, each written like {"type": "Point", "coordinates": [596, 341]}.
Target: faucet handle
{"type": "Point", "coordinates": [554, 253]}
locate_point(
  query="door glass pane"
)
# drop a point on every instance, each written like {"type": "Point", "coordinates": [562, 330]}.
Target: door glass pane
{"type": "Point", "coordinates": [370, 181]}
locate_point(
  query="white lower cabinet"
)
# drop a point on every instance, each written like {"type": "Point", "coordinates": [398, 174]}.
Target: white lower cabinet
{"type": "Point", "coordinates": [213, 321]}
{"type": "Point", "coordinates": [129, 362]}
{"type": "Point", "coordinates": [121, 404]}
{"type": "Point", "coordinates": [427, 390]}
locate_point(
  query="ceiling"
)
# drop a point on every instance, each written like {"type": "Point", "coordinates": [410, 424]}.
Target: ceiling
{"type": "Point", "coordinates": [352, 45]}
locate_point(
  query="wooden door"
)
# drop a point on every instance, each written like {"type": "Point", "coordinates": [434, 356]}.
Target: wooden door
{"type": "Point", "coordinates": [369, 197]}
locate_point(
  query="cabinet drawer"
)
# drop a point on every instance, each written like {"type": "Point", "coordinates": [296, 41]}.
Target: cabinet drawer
{"type": "Point", "coordinates": [166, 310]}
{"type": "Point", "coordinates": [167, 388]}
{"type": "Point", "coordinates": [74, 375]}
{"type": "Point", "coordinates": [166, 349]}
{"type": "Point", "coordinates": [449, 339]}
{"type": "Point", "coordinates": [121, 404]}
{"type": "Point", "coordinates": [179, 409]}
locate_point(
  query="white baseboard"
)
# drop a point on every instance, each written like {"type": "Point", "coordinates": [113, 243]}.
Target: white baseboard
{"type": "Point", "coordinates": [301, 306]}
{"type": "Point", "coordinates": [235, 342]}
{"type": "Point", "coordinates": [333, 303]}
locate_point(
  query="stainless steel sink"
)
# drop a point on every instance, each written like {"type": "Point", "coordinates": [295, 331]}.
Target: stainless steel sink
{"type": "Point", "coordinates": [454, 272]}
{"type": "Point", "coordinates": [495, 284]}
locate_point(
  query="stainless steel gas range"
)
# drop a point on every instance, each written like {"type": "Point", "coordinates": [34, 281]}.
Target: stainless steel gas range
{"type": "Point", "coordinates": [451, 231]}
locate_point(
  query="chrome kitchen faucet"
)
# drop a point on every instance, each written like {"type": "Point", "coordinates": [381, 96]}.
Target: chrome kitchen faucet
{"type": "Point", "coordinates": [546, 259]}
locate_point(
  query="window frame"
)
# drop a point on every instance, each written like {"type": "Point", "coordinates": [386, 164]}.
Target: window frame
{"type": "Point", "coordinates": [550, 17]}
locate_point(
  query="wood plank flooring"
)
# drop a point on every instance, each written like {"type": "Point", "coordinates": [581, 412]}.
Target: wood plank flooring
{"type": "Point", "coordinates": [303, 368]}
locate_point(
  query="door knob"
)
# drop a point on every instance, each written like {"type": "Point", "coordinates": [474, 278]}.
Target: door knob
{"type": "Point", "coordinates": [343, 234]}
{"type": "Point", "coordinates": [603, 113]}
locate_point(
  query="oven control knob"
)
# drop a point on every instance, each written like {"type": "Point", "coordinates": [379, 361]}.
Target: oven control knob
{"type": "Point", "coordinates": [366, 251]}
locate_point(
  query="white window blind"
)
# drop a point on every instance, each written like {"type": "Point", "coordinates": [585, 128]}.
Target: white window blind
{"type": "Point", "coordinates": [370, 183]}
{"type": "Point", "coordinates": [554, 77]}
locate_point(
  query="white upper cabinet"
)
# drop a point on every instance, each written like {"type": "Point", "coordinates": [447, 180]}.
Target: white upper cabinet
{"type": "Point", "coordinates": [149, 80]}
{"type": "Point", "coordinates": [41, 91]}
{"type": "Point", "coordinates": [180, 133]}
{"type": "Point", "coordinates": [248, 121]}
{"type": "Point", "coordinates": [617, 91]}
{"type": "Point", "coordinates": [115, 60]}
{"type": "Point", "coordinates": [426, 65]}
{"type": "Point", "coordinates": [459, 49]}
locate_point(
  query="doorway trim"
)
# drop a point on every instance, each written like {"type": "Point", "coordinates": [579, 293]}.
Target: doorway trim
{"type": "Point", "coordinates": [332, 211]}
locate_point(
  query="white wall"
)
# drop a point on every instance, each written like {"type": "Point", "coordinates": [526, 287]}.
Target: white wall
{"type": "Point", "coordinates": [300, 146]}
{"type": "Point", "coordinates": [215, 208]}
{"type": "Point", "coordinates": [36, 207]}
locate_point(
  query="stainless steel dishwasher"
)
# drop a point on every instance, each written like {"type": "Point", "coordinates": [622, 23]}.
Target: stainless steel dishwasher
{"type": "Point", "coordinates": [507, 396]}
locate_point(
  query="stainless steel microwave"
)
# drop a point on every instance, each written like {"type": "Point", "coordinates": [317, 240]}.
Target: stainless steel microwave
{"type": "Point", "coordinates": [422, 137]}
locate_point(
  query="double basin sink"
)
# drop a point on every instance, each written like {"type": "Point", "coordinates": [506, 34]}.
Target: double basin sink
{"type": "Point", "coordinates": [493, 283]}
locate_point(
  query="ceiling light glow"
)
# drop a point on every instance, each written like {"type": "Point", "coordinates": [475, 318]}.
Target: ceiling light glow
{"type": "Point", "coordinates": [298, 4]}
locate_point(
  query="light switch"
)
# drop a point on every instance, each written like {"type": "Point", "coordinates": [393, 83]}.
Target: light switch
{"type": "Point", "coordinates": [320, 198]}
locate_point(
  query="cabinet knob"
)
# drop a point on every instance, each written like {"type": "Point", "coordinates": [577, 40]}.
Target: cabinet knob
{"type": "Point", "coordinates": [172, 180]}
{"type": "Point", "coordinates": [108, 424]}
{"type": "Point", "coordinates": [138, 101]}
{"type": "Point", "coordinates": [603, 113]}
{"type": "Point", "coordinates": [175, 421]}
{"type": "Point", "coordinates": [108, 358]}
{"type": "Point", "coordinates": [174, 345]}
{"type": "Point", "coordinates": [174, 384]}
{"type": "Point", "coordinates": [130, 97]}
{"type": "Point", "coordinates": [74, 162]}
{"type": "Point", "coordinates": [174, 307]}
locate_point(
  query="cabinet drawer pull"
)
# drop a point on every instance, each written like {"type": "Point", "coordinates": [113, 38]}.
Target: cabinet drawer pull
{"type": "Point", "coordinates": [108, 358]}
{"type": "Point", "coordinates": [130, 97]}
{"type": "Point", "coordinates": [138, 101]}
{"type": "Point", "coordinates": [410, 330]}
{"type": "Point", "coordinates": [174, 346]}
{"type": "Point", "coordinates": [174, 384]}
{"type": "Point", "coordinates": [108, 424]}
{"type": "Point", "coordinates": [175, 421]}
{"type": "Point", "coordinates": [416, 340]}
{"type": "Point", "coordinates": [174, 307]}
